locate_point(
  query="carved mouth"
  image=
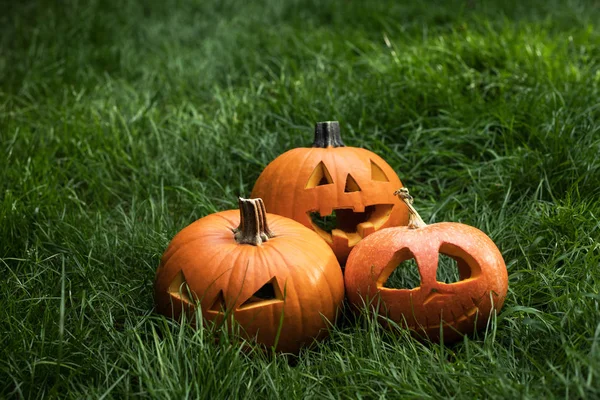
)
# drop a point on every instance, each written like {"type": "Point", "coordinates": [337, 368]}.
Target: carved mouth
{"type": "Point", "coordinates": [346, 223]}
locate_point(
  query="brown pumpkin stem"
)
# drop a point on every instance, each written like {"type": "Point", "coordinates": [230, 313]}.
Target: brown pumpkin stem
{"type": "Point", "coordinates": [327, 134]}
{"type": "Point", "coordinates": [414, 219]}
{"type": "Point", "coordinates": [253, 228]}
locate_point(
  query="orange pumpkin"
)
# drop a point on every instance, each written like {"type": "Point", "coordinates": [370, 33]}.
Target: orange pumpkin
{"type": "Point", "coordinates": [461, 307]}
{"type": "Point", "coordinates": [275, 277]}
{"type": "Point", "coordinates": [354, 184]}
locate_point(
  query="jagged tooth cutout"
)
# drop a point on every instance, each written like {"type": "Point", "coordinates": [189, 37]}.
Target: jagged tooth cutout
{"type": "Point", "coordinates": [269, 293]}
{"type": "Point", "coordinates": [319, 177]}
{"type": "Point", "coordinates": [179, 289]}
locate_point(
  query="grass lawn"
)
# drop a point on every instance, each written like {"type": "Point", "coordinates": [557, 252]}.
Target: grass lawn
{"type": "Point", "coordinates": [122, 122]}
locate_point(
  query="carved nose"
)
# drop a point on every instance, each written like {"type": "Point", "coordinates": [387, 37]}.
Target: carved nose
{"type": "Point", "coordinates": [351, 185]}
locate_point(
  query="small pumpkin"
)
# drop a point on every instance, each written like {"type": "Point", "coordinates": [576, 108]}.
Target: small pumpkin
{"type": "Point", "coordinates": [329, 179]}
{"type": "Point", "coordinates": [460, 307]}
{"type": "Point", "coordinates": [275, 277]}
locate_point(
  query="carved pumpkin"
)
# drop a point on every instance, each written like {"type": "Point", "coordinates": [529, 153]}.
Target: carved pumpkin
{"type": "Point", "coordinates": [275, 277]}
{"type": "Point", "coordinates": [354, 184]}
{"type": "Point", "coordinates": [462, 307]}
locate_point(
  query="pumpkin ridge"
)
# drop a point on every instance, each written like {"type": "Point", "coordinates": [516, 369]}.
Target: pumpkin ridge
{"type": "Point", "coordinates": [329, 285]}
{"type": "Point", "coordinates": [300, 238]}
{"type": "Point", "coordinates": [177, 251]}
{"type": "Point", "coordinates": [273, 272]}
{"type": "Point", "coordinates": [178, 248]}
{"type": "Point", "coordinates": [286, 289]}
{"type": "Point", "coordinates": [308, 155]}
{"type": "Point", "coordinates": [235, 270]}
{"type": "Point", "coordinates": [317, 263]}
{"type": "Point", "coordinates": [225, 271]}
{"type": "Point", "coordinates": [209, 227]}
{"type": "Point", "coordinates": [232, 223]}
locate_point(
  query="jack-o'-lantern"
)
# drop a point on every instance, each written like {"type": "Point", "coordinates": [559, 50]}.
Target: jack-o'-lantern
{"type": "Point", "coordinates": [460, 307]}
{"type": "Point", "coordinates": [328, 180]}
{"type": "Point", "coordinates": [275, 277]}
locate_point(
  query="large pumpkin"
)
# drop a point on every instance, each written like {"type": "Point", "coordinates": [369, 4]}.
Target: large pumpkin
{"type": "Point", "coordinates": [275, 277]}
{"type": "Point", "coordinates": [354, 184]}
{"type": "Point", "coordinates": [460, 307]}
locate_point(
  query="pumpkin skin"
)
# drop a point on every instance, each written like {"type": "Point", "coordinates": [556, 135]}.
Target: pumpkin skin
{"type": "Point", "coordinates": [463, 306]}
{"type": "Point", "coordinates": [355, 183]}
{"type": "Point", "coordinates": [303, 280]}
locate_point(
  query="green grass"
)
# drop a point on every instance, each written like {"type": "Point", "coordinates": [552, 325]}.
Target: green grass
{"type": "Point", "coordinates": [122, 122]}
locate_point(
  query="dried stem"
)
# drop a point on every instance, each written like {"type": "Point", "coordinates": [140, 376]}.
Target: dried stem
{"type": "Point", "coordinates": [414, 219]}
{"type": "Point", "coordinates": [253, 228]}
{"type": "Point", "coordinates": [327, 134]}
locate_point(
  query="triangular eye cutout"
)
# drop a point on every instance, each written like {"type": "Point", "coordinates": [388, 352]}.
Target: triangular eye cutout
{"type": "Point", "coordinates": [268, 293]}
{"type": "Point", "coordinates": [219, 304]}
{"type": "Point", "coordinates": [179, 289]}
{"type": "Point", "coordinates": [351, 185]}
{"type": "Point", "coordinates": [320, 176]}
{"type": "Point", "coordinates": [377, 173]}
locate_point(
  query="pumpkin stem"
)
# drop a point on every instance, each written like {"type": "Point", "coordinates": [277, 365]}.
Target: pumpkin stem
{"type": "Point", "coordinates": [414, 219]}
{"type": "Point", "coordinates": [253, 228]}
{"type": "Point", "coordinates": [327, 134]}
